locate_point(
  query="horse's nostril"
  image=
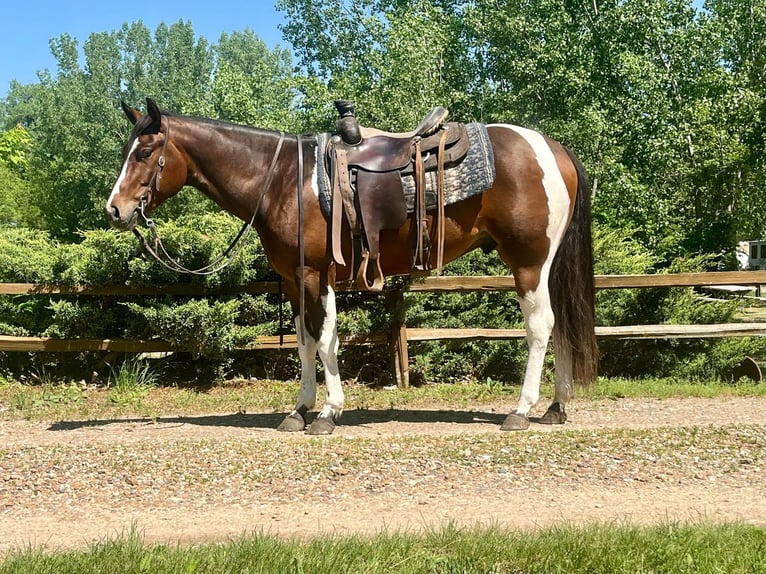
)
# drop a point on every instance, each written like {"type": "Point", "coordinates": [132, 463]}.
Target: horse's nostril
{"type": "Point", "coordinates": [115, 213]}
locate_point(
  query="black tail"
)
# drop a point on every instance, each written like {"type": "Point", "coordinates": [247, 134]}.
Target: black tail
{"type": "Point", "coordinates": [571, 287]}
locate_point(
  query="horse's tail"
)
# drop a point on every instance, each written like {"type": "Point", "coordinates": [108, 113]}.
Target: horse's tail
{"type": "Point", "coordinates": [572, 289]}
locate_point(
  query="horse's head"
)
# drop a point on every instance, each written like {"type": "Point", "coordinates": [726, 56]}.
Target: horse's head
{"type": "Point", "coordinates": [153, 168]}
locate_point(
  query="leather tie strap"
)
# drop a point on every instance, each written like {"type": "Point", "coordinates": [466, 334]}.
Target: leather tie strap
{"type": "Point", "coordinates": [339, 203]}
{"type": "Point", "coordinates": [301, 249]}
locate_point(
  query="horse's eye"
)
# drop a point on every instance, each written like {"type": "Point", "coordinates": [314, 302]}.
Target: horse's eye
{"type": "Point", "coordinates": [145, 153]}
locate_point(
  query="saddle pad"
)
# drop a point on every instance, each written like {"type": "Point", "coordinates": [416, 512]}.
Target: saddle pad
{"type": "Point", "coordinates": [474, 175]}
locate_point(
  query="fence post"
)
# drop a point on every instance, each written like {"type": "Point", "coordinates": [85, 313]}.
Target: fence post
{"type": "Point", "coordinates": [400, 358]}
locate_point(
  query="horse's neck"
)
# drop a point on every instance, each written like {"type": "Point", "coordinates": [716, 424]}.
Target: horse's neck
{"type": "Point", "coordinates": [229, 163]}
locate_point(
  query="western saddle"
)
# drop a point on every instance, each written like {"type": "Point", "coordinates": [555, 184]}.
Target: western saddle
{"type": "Point", "coordinates": [366, 167]}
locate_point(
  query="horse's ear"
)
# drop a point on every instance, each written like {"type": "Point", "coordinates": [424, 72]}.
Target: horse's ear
{"type": "Point", "coordinates": [156, 115]}
{"type": "Point", "coordinates": [132, 113]}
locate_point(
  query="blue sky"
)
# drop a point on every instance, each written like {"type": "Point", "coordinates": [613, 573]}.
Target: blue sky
{"type": "Point", "coordinates": [28, 25]}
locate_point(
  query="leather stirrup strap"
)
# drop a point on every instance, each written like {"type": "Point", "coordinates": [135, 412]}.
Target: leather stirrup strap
{"type": "Point", "coordinates": [440, 223]}
{"type": "Point", "coordinates": [420, 262]}
{"type": "Point", "coordinates": [301, 251]}
{"type": "Point", "coordinates": [340, 167]}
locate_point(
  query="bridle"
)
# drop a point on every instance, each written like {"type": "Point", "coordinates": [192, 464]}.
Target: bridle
{"type": "Point", "coordinates": [160, 253]}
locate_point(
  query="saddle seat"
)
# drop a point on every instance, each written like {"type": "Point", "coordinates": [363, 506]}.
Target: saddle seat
{"type": "Point", "coordinates": [368, 165]}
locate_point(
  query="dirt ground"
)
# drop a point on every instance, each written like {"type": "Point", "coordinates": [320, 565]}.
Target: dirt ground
{"type": "Point", "coordinates": [200, 478]}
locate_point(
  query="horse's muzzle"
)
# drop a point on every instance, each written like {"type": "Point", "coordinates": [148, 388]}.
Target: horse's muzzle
{"type": "Point", "coordinates": [120, 220]}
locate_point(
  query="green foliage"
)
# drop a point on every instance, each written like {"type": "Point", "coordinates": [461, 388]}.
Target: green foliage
{"type": "Point", "coordinates": [15, 206]}
{"type": "Point", "coordinates": [664, 103]}
{"type": "Point", "coordinates": [130, 382]}
{"type": "Point", "coordinates": [208, 328]}
{"type": "Point", "coordinates": [699, 548]}
{"type": "Point", "coordinates": [14, 148]}
{"type": "Point", "coordinates": [74, 127]}
{"type": "Point", "coordinates": [617, 254]}
{"type": "Point", "coordinates": [199, 325]}
{"type": "Point", "coordinates": [449, 361]}
{"type": "Point", "coordinates": [28, 256]}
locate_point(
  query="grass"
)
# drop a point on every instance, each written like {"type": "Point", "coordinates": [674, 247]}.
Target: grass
{"type": "Point", "coordinates": [134, 389]}
{"type": "Point", "coordinates": [599, 548]}
{"type": "Point", "coordinates": [129, 384]}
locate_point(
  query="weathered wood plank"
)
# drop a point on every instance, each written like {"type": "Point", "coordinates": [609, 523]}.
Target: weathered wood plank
{"type": "Point", "coordinates": [627, 332]}
{"type": "Point", "coordinates": [45, 344]}
{"type": "Point", "coordinates": [50, 345]}
{"type": "Point", "coordinates": [683, 331]}
{"type": "Point", "coordinates": [436, 284]}
{"type": "Point", "coordinates": [184, 289]}
{"type": "Point", "coordinates": [501, 283]}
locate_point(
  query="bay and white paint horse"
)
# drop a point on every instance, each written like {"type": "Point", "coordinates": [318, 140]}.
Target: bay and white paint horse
{"type": "Point", "coordinates": [536, 214]}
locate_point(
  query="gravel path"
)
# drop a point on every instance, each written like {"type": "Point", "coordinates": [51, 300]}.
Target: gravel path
{"type": "Point", "coordinates": [213, 477]}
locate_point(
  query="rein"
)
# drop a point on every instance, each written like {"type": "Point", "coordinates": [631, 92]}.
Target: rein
{"type": "Point", "coordinates": [160, 253]}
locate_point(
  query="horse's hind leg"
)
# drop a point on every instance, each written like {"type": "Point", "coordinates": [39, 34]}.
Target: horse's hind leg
{"type": "Point", "coordinates": [538, 316]}
{"type": "Point", "coordinates": [556, 413]}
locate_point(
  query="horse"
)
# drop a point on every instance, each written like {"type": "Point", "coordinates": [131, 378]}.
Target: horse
{"type": "Point", "coordinates": [536, 215]}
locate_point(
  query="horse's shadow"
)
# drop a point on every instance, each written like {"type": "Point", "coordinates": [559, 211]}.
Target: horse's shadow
{"type": "Point", "coordinates": [266, 421]}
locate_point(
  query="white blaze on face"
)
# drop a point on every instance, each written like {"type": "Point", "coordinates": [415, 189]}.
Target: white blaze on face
{"type": "Point", "coordinates": [123, 174]}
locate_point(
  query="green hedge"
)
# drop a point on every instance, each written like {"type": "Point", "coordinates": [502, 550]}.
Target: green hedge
{"type": "Point", "coordinates": [211, 327]}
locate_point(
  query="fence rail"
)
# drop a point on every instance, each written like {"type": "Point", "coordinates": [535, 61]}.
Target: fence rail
{"type": "Point", "coordinates": [430, 284]}
{"type": "Point", "coordinates": [400, 334]}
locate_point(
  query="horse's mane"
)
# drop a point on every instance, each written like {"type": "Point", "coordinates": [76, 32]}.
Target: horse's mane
{"type": "Point", "coordinates": [145, 121]}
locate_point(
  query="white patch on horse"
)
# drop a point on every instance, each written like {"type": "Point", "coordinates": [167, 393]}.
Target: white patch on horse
{"type": "Point", "coordinates": [314, 181]}
{"type": "Point", "coordinates": [327, 345]}
{"type": "Point", "coordinates": [307, 351]}
{"type": "Point", "coordinates": [123, 174]}
{"type": "Point", "coordinates": [553, 184]}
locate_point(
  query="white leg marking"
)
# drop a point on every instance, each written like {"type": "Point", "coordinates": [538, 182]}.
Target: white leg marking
{"type": "Point", "coordinates": [123, 174]}
{"type": "Point", "coordinates": [328, 353]}
{"type": "Point", "coordinates": [536, 305]}
{"type": "Point", "coordinates": [307, 351]}
{"type": "Point", "coordinates": [538, 316]}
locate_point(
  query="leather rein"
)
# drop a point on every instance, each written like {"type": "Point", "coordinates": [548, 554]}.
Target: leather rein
{"type": "Point", "coordinates": [160, 253]}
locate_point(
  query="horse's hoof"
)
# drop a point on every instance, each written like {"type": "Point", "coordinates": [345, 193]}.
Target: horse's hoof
{"type": "Point", "coordinates": [321, 426]}
{"type": "Point", "coordinates": [555, 415]}
{"type": "Point", "coordinates": [515, 422]}
{"type": "Point", "coordinates": [293, 422]}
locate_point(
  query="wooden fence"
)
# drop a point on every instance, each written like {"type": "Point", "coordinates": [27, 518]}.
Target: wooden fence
{"type": "Point", "coordinates": [400, 334]}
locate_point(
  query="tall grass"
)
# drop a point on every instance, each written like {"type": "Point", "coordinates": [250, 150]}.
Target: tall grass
{"type": "Point", "coordinates": [129, 384]}
{"type": "Point", "coordinates": [600, 548]}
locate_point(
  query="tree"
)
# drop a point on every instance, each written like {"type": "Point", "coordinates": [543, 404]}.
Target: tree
{"type": "Point", "coordinates": [252, 84]}
{"type": "Point", "coordinates": [74, 120]}
{"type": "Point", "coordinates": [393, 58]}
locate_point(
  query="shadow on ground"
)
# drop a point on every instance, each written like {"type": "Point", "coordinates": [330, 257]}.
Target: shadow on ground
{"type": "Point", "coordinates": [351, 418]}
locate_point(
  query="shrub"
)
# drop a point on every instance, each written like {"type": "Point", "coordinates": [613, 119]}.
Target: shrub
{"type": "Point", "coordinates": [616, 253]}
{"type": "Point", "coordinates": [211, 327]}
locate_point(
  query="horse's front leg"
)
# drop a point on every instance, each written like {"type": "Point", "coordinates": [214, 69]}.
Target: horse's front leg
{"type": "Point", "coordinates": [307, 351]}
{"type": "Point", "coordinates": [327, 345]}
{"type": "Point", "coordinates": [321, 334]}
